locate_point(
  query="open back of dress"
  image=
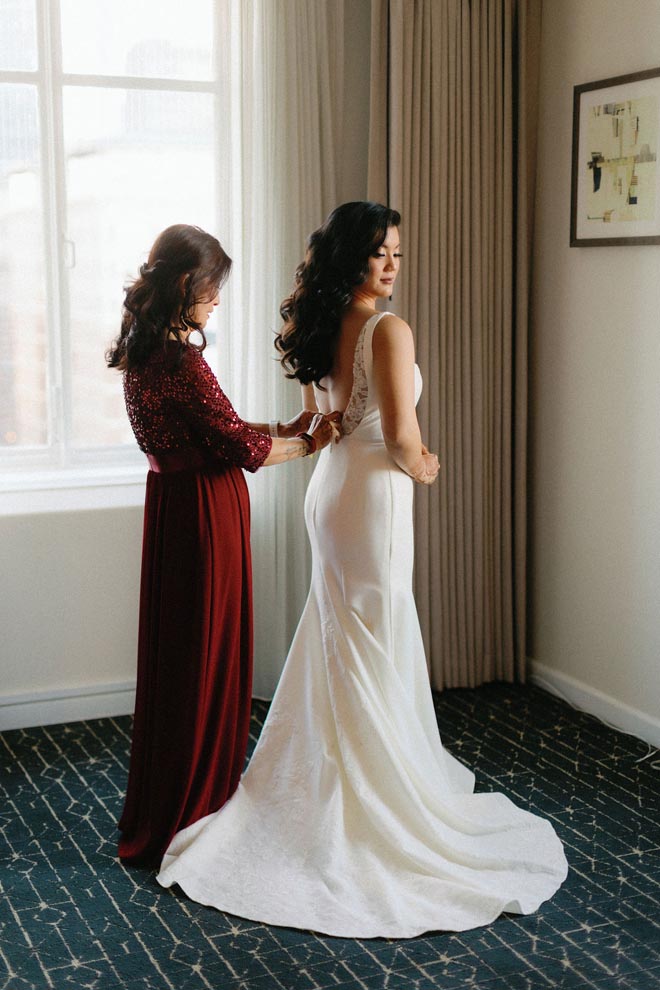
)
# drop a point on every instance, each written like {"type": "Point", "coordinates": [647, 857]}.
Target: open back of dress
{"type": "Point", "coordinates": [352, 819]}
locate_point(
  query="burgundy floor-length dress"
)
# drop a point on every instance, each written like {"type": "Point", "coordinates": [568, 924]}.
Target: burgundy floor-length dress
{"type": "Point", "coordinates": [195, 634]}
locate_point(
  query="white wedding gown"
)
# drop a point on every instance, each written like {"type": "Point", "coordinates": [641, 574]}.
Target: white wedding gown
{"type": "Point", "coordinates": [352, 819]}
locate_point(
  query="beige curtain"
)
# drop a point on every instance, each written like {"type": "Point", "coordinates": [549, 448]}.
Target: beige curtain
{"type": "Point", "coordinates": [452, 146]}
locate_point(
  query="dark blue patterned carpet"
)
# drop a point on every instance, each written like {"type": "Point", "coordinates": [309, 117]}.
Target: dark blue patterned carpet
{"type": "Point", "coordinates": [72, 916]}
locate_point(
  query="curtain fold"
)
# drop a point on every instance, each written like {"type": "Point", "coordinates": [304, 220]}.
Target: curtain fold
{"type": "Point", "coordinates": [282, 105]}
{"type": "Point", "coordinates": [452, 146]}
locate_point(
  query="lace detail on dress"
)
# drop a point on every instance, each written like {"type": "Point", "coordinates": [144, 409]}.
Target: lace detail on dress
{"type": "Point", "coordinates": [357, 402]}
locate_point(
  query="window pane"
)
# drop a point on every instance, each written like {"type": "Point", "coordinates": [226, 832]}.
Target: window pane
{"type": "Point", "coordinates": [18, 35]}
{"type": "Point", "coordinates": [136, 163]}
{"type": "Point", "coordinates": [161, 38]}
{"type": "Point", "coordinates": [23, 357]}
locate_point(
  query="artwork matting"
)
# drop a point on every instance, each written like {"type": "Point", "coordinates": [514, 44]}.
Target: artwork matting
{"type": "Point", "coordinates": [615, 181]}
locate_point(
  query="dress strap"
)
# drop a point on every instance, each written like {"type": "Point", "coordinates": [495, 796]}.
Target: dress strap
{"type": "Point", "coordinates": [367, 355]}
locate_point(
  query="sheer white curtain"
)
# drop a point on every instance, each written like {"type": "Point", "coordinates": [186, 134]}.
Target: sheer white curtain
{"type": "Point", "coordinates": [282, 120]}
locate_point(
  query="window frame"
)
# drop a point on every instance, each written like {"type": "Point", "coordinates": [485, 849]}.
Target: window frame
{"type": "Point", "coordinates": [57, 475]}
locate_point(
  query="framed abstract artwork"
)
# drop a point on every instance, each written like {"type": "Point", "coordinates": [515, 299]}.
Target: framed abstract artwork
{"type": "Point", "coordinates": [615, 181]}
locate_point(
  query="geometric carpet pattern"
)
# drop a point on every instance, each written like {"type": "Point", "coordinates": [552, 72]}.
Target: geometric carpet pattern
{"type": "Point", "coordinates": [71, 916]}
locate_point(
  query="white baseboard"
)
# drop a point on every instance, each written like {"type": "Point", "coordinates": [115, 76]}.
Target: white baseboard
{"type": "Point", "coordinates": [615, 713]}
{"type": "Point", "coordinates": [22, 711]}
{"type": "Point", "coordinates": [108, 700]}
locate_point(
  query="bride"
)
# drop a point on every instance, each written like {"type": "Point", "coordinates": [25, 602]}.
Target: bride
{"type": "Point", "coordinates": [352, 819]}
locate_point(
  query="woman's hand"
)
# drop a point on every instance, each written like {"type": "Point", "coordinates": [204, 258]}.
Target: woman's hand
{"type": "Point", "coordinates": [324, 428]}
{"type": "Point", "coordinates": [427, 471]}
{"type": "Point", "coordinates": [334, 418]}
{"type": "Point", "coordinates": [299, 424]}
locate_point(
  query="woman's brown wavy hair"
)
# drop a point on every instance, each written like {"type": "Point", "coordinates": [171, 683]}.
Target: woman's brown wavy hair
{"type": "Point", "coordinates": [186, 266]}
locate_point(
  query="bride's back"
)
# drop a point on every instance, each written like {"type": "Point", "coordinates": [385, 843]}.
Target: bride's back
{"type": "Point", "coordinates": [339, 382]}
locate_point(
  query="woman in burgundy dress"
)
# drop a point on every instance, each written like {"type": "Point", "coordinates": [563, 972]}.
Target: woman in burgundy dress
{"type": "Point", "coordinates": [195, 632]}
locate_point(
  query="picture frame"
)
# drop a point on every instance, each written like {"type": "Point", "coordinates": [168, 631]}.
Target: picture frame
{"type": "Point", "coordinates": [615, 174]}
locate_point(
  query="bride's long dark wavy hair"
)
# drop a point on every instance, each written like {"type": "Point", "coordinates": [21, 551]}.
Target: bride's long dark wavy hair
{"type": "Point", "coordinates": [336, 262]}
{"type": "Point", "coordinates": [186, 266]}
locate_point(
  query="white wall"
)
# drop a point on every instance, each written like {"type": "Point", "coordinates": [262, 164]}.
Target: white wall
{"type": "Point", "coordinates": [69, 581]}
{"type": "Point", "coordinates": [68, 614]}
{"type": "Point", "coordinates": [595, 565]}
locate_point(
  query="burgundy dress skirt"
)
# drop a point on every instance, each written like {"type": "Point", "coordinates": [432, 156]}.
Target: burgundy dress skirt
{"type": "Point", "coordinates": [194, 655]}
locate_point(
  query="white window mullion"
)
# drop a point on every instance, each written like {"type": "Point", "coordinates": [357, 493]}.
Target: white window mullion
{"type": "Point", "coordinates": [222, 138]}
{"type": "Point", "coordinates": [54, 201]}
{"type": "Point", "coordinates": [230, 180]}
{"type": "Point", "coordinates": [138, 82]}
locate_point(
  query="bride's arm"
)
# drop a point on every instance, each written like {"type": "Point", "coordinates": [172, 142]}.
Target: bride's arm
{"type": "Point", "coordinates": [308, 398]}
{"type": "Point", "coordinates": [394, 377]}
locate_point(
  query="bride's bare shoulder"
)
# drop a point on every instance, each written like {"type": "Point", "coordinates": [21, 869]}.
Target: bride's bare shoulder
{"type": "Point", "coordinates": [392, 335]}
{"type": "Point", "coordinates": [392, 321]}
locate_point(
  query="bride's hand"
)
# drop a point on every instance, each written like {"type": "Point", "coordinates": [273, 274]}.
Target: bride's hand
{"type": "Point", "coordinates": [427, 471]}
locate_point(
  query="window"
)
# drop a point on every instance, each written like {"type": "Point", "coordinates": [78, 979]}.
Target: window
{"type": "Point", "coordinates": [109, 120]}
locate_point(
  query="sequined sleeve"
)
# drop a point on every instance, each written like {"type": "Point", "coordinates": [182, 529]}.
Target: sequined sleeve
{"type": "Point", "coordinates": [203, 403]}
